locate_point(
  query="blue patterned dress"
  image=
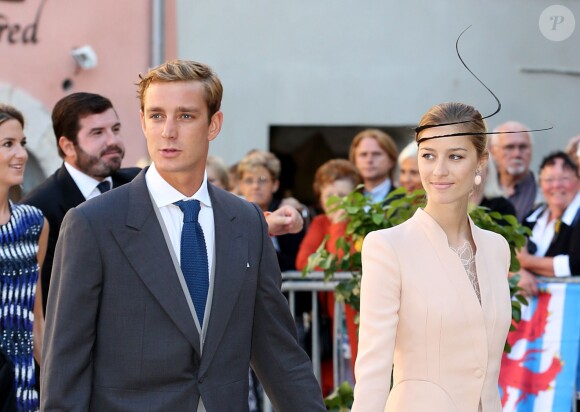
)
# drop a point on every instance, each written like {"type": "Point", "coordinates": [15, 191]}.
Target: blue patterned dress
{"type": "Point", "coordinates": [18, 276]}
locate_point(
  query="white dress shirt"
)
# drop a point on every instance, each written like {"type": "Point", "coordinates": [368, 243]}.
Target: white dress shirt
{"type": "Point", "coordinates": [380, 192]}
{"type": "Point", "coordinates": [86, 184]}
{"type": "Point", "coordinates": [164, 195]}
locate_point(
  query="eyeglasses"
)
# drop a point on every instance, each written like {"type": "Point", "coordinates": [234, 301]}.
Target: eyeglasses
{"type": "Point", "coordinates": [563, 180]}
{"type": "Point", "coordinates": [512, 147]}
{"type": "Point", "coordinates": [261, 181]}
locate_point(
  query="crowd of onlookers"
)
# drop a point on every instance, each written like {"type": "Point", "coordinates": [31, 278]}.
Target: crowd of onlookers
{"type": "Point", "coordinates": [89, 140]}
{"type": "Point", "coordinates": [548, 202]}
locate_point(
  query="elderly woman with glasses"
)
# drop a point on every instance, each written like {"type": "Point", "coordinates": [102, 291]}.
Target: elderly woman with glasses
{"type": "Point", "coordinates": [258, 180]}
{"type": "Point", "coordinates": [554, 247]}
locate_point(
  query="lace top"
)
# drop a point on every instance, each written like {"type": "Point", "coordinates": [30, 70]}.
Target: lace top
{"type": "Point", "coordinates": [467, 257]}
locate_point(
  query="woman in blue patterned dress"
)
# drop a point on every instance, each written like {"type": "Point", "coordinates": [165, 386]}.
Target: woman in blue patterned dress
{"type": "Point", "coordinates": [23, 238]}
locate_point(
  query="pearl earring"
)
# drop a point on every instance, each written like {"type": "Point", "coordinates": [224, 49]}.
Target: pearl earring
{"type": "Point", "coordinates": [477, 179]}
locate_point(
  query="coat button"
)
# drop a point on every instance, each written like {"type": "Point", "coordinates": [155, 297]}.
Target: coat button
{"type": "Point", "coordinates": [201, 379]}
{"type": "Point", "coordinates": [478, 373]}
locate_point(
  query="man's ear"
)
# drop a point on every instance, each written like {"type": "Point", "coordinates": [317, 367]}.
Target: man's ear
{"type": "Point", "coordinates": [215, 125]}
{"type": "Point", "coordinates": [67, 147]}
{"type": "Point", "coordinates": [275, 186]}
{"type": "Point", "coordinates": [142, 117]}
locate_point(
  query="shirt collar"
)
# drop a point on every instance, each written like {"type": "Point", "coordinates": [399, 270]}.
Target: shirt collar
{"type": "Point", "coordinates": [164, 194]}
{"type": "Point", "coordinates": [567, 217]}
{"type": "Point", "coordinates": [378, 193]}
{"type": "Point", "coordinates": [84, 182]}
{"type": "Point", "coordinates": [571, 210]}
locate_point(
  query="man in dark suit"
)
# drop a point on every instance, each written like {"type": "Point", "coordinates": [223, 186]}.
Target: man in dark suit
{"type": "Point", "coordinates": [154, 307]}
{"type": "Point", "coordinates": [88, 134]}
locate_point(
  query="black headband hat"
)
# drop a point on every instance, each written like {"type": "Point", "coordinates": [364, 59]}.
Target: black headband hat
{"type": "Point", "coordinates": [428, 126]}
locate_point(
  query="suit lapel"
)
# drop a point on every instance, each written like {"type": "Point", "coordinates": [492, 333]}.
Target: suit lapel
{"type": "Point", "coordinates": [231, 250]}
{"type": "Point", "coordinates": [71, 195]}
{"type": "Point", "coordinates": [144, 245]}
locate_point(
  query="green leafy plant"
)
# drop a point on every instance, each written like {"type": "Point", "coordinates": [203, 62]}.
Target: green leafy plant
{"type": "Point", "coordinates": [341, 399]}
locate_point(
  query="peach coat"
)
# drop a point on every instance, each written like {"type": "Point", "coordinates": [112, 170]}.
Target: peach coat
{"type": "Point", "coordinates": [419, 311]}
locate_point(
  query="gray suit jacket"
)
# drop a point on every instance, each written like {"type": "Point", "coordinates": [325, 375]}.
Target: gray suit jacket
{"type": "Point", "coordinates": [120, 335]}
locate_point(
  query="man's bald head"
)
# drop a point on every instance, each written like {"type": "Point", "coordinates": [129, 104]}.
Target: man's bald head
{"type": "Point", "coordinates": [511, 148]}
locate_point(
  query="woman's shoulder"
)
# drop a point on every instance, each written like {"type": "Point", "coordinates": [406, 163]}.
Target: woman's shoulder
{"type": "Point", "coordinates": [397, 234]}
{"type": "Point", "coordinates": [492, 241]}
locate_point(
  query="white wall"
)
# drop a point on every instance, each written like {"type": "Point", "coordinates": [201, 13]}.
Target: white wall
{"type": "Point", "coordinates": [385, 62]}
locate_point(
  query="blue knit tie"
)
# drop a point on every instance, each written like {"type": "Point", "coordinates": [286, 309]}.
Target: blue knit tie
{"type": "Point", "coordinates": [194, 256]}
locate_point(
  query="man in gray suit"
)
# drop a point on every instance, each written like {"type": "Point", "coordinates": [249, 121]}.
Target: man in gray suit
{"type": "Point", "coordinates": [125, 329]}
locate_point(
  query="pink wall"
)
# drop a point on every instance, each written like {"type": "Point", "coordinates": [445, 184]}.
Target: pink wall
{"type": "Point", "coordinates": [118, 31]}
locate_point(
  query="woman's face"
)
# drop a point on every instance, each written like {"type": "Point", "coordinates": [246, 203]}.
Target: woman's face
{"type": "Point", "coordinates": [258, 186]}
{"type": "Point", "coordinates": [409, 177]}
{"type": "Point", "coordinates": [559, 185]}
{"type": "Point", "coordinates": [447, 165]}
{"type": "Point", "coordinates": [340, 188]}
{"type": "Point", "coordinates": [13, 156]}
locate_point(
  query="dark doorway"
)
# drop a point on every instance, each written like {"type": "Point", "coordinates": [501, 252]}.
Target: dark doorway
{"type": "Point", "coordinates": [302, 149]}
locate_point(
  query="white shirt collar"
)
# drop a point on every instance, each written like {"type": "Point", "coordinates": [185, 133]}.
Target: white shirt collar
{"type": "Point", "coordinates": [567, 217]}
{"type": "Point", "coordinates": [164, 194]}
{"type": "Point", "coordinates": [86, 184]}
{"type": "Point", "coordinates": [380, 192]}
{"type": "Point", "coordinates": [571, 210]}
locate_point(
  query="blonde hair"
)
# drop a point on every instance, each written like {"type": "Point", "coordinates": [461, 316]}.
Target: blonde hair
{"type": "Point", "coordinates": [185, 70]}
{"type": "Point", "coordinates": [491, 187]}
{"type": "Point", "coordinates": [259, 158]}
{"type": "Point", "coordinates": [384, 140]}
{"type": "Point", "coordinates": [221, 170]}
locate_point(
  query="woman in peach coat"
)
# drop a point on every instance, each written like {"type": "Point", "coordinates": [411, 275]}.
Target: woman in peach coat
{"type": "Point", "coordinates": [435, 303]}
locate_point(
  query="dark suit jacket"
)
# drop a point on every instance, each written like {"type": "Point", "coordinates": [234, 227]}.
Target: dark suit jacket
{"type": "Point", "coordinates": [54, 197]}
{"type": "Point", "coordinates": [565, 242]}
{"type": "Point", "coordinates": [120, 335]}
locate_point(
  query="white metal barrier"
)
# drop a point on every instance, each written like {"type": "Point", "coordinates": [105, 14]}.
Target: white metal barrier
{"type": "Point", "coordinates": [294, 282]}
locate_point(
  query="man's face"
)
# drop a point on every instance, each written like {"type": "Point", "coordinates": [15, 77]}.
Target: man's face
{"type": "Point", "coordinates": [372, 161]}
{"type": "Point", "coordinates": [175, 123]}
{"type": "Point", "coordinates": [512, 153]}
{"type": "Point", "coordinates": [99, 149]}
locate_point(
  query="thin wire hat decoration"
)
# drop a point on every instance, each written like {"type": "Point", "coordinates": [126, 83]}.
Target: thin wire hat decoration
{"type": "Point", "coordinates": [429, 126]}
